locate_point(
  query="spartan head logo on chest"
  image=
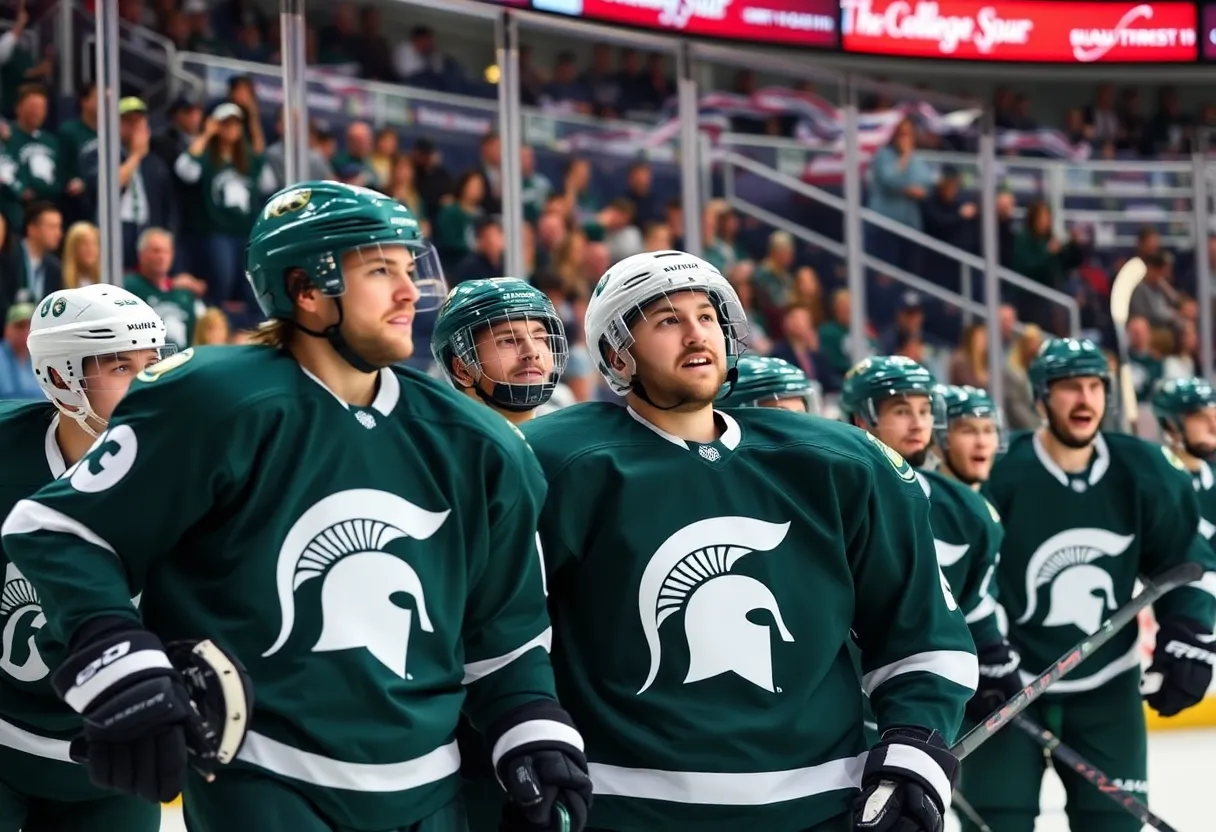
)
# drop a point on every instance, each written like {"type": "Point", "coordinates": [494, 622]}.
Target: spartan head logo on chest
{"type": "Point", "coordinates": [1079, 591]}
{"type": "Point", "coordinates": [344, 541]}
{"type": "Point", "coordinates": [21, 618]}
{"type": "Point", "coordinates": [691, 571]}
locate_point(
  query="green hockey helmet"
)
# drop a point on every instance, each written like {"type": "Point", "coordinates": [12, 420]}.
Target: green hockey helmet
{"type": "Point", "coordinates": [1061, 358]}
{"type": "Point", "coordinates": [967, 402]}
{"type": "Point", "coordinates": [762, 379]}
{"type": "Point", "coordinates": [487, 325]}
{"type": "Point", "coordinates": [1175, 399]}
{"type": "Point", "coordinates": [873, 380]}
{"type": "Point", "coordinates": [309, 226]}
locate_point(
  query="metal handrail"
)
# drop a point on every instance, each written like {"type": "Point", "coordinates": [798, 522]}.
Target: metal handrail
{"type": "Point", "coordinates": [899, 229]}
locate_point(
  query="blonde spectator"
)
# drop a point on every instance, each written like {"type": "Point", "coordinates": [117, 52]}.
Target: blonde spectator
{"type": "Point", "coordinates": [384, 153]}
{"type": "Point", "coordinates": [212, 328]}
{"type": "Point", "coordinates": [81, 256]}
{"type": "Point", "coordinates": [568, 263]}
{"type": "Point", "coordinates": [773, 280]}
{"type": "Point", "coordinates": [969, 365]}
{"type": "Point", "coordinates": [1020, 413]}
{"type": "Point", "coordinates": [808, 292]}
{"type": "Point", "coordinates": [1181, 363]}
{"type": "Point", "coordinates": [740, 277]}
{"type": "Point", "coordinates": [657, 237]}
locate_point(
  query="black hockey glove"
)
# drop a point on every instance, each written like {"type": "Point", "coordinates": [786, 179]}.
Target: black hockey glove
{"type": "Point", "coordinates": [999, 680]}
{"type": "Point", "coordinates": [538, 757]}
{"type": "Point", "coordinates": [1181, 671]}
{"type": "Point", "coordinates": [907, 782]}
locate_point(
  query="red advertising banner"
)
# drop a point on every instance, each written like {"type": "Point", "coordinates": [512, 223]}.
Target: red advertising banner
{"type": "Point", "coordinates": [1029, 30]}
{"type": "Point", "coordinates": [813, 23]}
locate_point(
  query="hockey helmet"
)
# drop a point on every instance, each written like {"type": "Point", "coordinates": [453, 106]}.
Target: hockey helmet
{"type": "Point", "coordinates": [967, 402]}
{"type": "Point", "coordinates": [310, 226]}
{"type": "Point", "coordinates": [872, 380]}
{"type": "Point", "coordinates": [473, 307]}
{"type": "Point", "coordinates": [633, 283]}
{"type": "Point", "coordinates": [1061, 358]}
{"type": "Point", "coordinates": [764, 379]}
{"type": "Point", "coordinates": [1174, 399]}
{"type": "Point", "coordinates": [72, 325]}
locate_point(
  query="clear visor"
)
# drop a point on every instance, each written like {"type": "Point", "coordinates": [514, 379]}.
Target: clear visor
{"type": "Point", "coordinates": [807, 401]}
{"type": "Point", "coordinates": [687, 303]}
{"type": "Point", "coordinates": [937, 406]}
{"type": "Point", "coordinates": [517, 350]}
{"type": "Point", "coordinates": [111, 372]}
{"type": "Point", "coordinates": [418, 261]}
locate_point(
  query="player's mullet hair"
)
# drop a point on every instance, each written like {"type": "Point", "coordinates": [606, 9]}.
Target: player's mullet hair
{"type": "Point", "coordinates": [275, 332]}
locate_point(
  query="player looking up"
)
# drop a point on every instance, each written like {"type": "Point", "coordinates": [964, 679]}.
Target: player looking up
{"type": "Point", "coordinates": [1085, 513]}
{"type": "Point", "coordinates": [360, 536]}
{"type": "Point", "coordinates": [680, 541]}
{"type": "Point", "coordinates": [86, 345]}
{"type": "Point", "coordinates": [762, 381]}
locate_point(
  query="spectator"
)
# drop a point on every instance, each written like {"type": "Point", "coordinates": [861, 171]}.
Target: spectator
{"type": "Point", "coordinates": [834, 339]}
{"type": "Point", "coordinates": [489, 161]}
{"type": "Point", "coordinates": [198, 22]}
{"type": "Point", "coordinates": [454, 237]}
{"type": "Point", "coordinates": [631, 77]}
{"type": "Point", "coordinates": [576, 187]}
{"type": "Point", "coordinates": [418, 63]}
{"type": "Point", "coordinates": [17, 64]}
{"type": "Point", "coordinates": [401, 187]}
{"type": "Point", "coordinates": [603, 85]}
{"type": "Point", "coordinates": [145, 184]}
{"type": "Point", "coordinates": [1101, 118]}
{"type": "Point", "coordinates": [809, 293]}
{"type": "Point", "coordinates": [432, 178]}
{"type": "Point", "coordinates": [375, 55]}
{"type": "Point", "coordinates": [620, 232]}
{"type": "Point", "coordinates": [17, 380]}
{"type": "Point", "coordinates": [356, 158]}
{"type": "Point", "coordinates": [1155, 299]}
{"type": "Point", "coordinates": [35, 150]}
{"type": "Point", "coordinates": [639, 189]}
{"type": "Point", "coordinates": [569, 264]}
{"type": "Point", "coordinates": [800, 345]}
{"type": "Point", "coordinates": [274, 168]}
{"type": "Point", "coordinates": [656, 88]}
{"type": "Point", "coordinates": [249, 45]}
{"type": "Point", "coordinates": [1181, 362]}
{"type": "Point", "coordinates": [1020, 410]}
{"type": "Point", "coordinates": [657, 237]}
{"type": "Point", "coordinates": [899, 183]}
{"type": "Point", "coordinates": [909, 322]}
{"type": "Point", "coordinates": [384, 151]}
{"type": "Point", "coordinates": [1037, 254]}
{"type": "Point", "coordinates": [1143, 357]}
{"type": "Point", "coordinates": [33, 270]}
{"type": "Point", "coordinates": [1169, 131]}
{"type": "Point", "coordinates": [78, 137]}
{"type": "Point", "coordinates": [340, 41]}
{"type": "Point", "coordinates": [773, 281]}
{"type": "Point", "coordinates": [485, 260]}
{"type": "Point", "coordinates": [723, 249]}
{"type": "Point", "coordinates": [226, 167]}
{"type": "Point", "coordinates": [740, 278]}
{"type": "Point", "coordinates": [81, 256]}
{"type": "Point", "coordinates": [174, 297]}
{"type": "Point", "coordinates": [212, 328]}
{"type": "Point", "coordinates": [947, 218]}
{"type": "Point", "coordinates": [969, 364]}
{"type": "Point", "coordinates": [535, 187]}
{"type": "Point", "coordinates": [566, 91]}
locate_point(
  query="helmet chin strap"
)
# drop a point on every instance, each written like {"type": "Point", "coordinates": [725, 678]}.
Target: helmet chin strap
{"type": "Point", "coordinates": [333, 334]}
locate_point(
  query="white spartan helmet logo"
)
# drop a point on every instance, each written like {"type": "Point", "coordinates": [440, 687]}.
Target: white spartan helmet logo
{"type": "Point", "coordinates": [21, 615]}
{"type": "Point", "coordinates": [342, 540]}
{"type": "Point", "coordinates": [691, 570]}
{"type": "Point", "coordinates": [1081, 593]}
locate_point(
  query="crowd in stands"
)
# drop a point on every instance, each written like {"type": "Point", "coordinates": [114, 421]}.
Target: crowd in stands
{"type": "Point", "coordinates": [192, 184]}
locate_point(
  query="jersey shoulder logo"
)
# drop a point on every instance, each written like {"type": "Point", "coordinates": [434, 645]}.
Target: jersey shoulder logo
{"type": "Point", "coordinates": [154, 371]}
{"type": "Point", "coordinates": [691, 572]}
{"type": "Point", "coordinates": [1080, 593]}
{"type": "Point", "coordinates": [1172, 458]}
{"type": "Point", "coordinates": [906, 472]}
{"type": "Point", "coordinates": [344, 541]}
{"type": "Point", "coordinates": [21, 617]}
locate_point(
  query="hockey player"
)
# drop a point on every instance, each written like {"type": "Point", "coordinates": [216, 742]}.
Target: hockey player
{"type": "Point", "coordinates": [86, 345]}
{"type": "Point", "coordinates": [499, 341]}
{"type": "Point", "coordinates": [681, 541]}
{"type": "Point", "coordinates": [897, 400]}
{"type": "Point", "coordinates": [359, 536]}
{"type": "Point", "coordinates": [968, 444]}
{"type": "Point", "coordinates": [1186, 410]}
{"type": "Point", "coordinates": [770, 382]}
{"type": "Point", "coordinates": [1085, 513]}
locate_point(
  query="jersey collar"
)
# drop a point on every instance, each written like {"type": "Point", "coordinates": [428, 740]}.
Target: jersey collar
{"type": "Point", "coordinates": [386, 397]}
{"type": "Point", "coordinates": [924, 484]}
{"type": "Point", "coordinates": [1203, 476]}
{"type": "Point", "coordinates": [729, 439]}
{"type": "Point", "coordinates": [1096, 470]}
{"type": "Point", "coordinates": [54, 456]}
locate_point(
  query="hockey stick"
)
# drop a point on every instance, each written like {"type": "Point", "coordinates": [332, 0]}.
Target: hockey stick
{"type": "Point", "coordinates": [1052, 744]}
{"type": "Point", "coordinates": [960, 803]}
{"type": "Point", "coordinates": [1167, 581]}
{"type": "Point", "coordinates": [1121, 290]}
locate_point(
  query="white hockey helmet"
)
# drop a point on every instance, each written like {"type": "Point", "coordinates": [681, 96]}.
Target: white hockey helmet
{"type": "Point", "coordinates": [74, 324]}
{"type": "Point", "coordinates": [626, 288]}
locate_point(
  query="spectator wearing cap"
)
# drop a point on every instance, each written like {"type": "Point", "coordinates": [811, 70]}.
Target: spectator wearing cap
{"type": "Point", "coordinates": [32, 270]}
{"type": "Point", "coordinates": [274, 168]}
{"type": "Point", "coordinates": [36, 151]}
{"type": "Point", "coordinates": [77, 137]}
{"type": "Point", "coordinates": [17, 379]}
{"type": "Point", "coordinates": [226, 168]}
{"type": "Point", "coordinates": [485, 260]}
{"type": "Point", "coordinates": [145, 184]}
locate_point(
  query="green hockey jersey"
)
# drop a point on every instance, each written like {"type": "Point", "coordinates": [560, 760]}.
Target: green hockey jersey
{"type": "Point", "coordinates": [1204, 482]}
{"type": "Point", "coordinates": [702, 600]}
{"type": "Point", "coordinates": [370, 566]}
{"type": "Point", "coordinates": [1075, 544]}
{"type": "Point", "coordinates": [38, 167]}
{"type": "Point", "coordinates": [178, 308]}
{"type": "Point", "coordinates": [967, 537]}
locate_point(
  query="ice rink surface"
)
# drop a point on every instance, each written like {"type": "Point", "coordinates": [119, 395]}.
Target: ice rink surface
{"type": "Point", "coordinates": [1181, 764]}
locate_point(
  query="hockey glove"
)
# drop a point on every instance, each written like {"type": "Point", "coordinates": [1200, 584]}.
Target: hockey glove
{"type": "Point", "coordinates": [1181, 671]}
{"type": "Point", "coordinates": [906, 784]}
{"type": "Point", "coordinates": [999, 680]}
{"type": "Point", "coordinates": [538, 757]}
{"type": "Point", "coordinates": [138, 717]}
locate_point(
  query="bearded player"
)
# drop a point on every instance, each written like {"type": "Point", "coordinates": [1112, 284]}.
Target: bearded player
{"type": "Point", "coordinates": [680, 540]}
{"type": "Point", "coordinates": [86, 346]}
{"type": "Point", "coordinates": [1186, 411]}
{"type": "Point", "coordinates": [762, 381]}
{"type": "Point", "coordinates": [499, 341]}
{"type": "Point", "coordinates": [897, 400]}
{"type": "Point", "coordinates": [1085, 513]}
{"type": "Point", "coordinates": [360, 537]}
